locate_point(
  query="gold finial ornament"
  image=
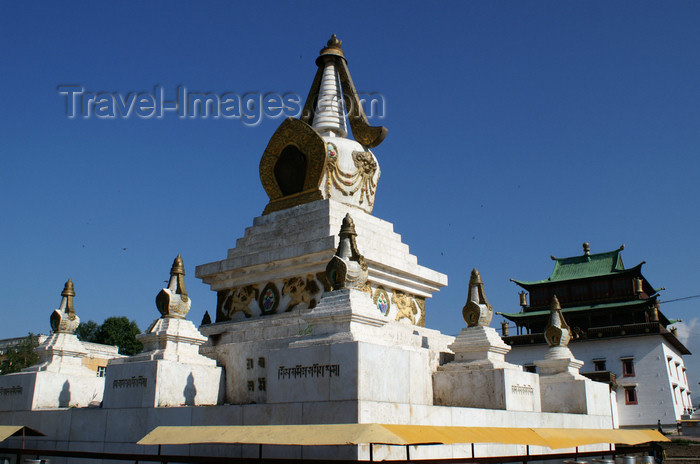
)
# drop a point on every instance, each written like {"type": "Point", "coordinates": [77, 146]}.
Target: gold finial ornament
{"type": "Point", "coordinates": [369, 136]}
{"type": "Point", "coordinates": [332, 47]}
{"type": "Point", "coordinates": [178, 266]}
{"type": "Point", "coordinates": [557, 332]}
{"type": "Point", "coordinates": [347, 269]}
{"type": "Point", "coordinates": [477, 311]}
{"type": "Point", "coordinates": [68, 293]}
{"type": "Point", "coordinates": [173, 302]}
{"type": "Point", "coordinates": [586, 248]}
{"type": "Point", "coordinates": [64, 319]}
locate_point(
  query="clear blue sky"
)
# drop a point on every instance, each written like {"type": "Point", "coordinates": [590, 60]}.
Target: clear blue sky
{"type": "Point", "coordinates": [516, 130]}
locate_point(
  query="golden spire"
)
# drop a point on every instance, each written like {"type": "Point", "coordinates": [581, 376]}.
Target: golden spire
{"type": "Point", "coordinates": [178, 270]}
{"type": "Point", "coordinates": [332, 56]}
{"type": "Point", "coordinates": [68, 293]}
{"type": "Point", "coordinates": [178, 266]}
{"type": "Point", "coordinates": [477, 311]}
{"type": "Point", "coordinates": [173, 301]}
{"type": "Point", "coordinates": [64, 319]}
{"type": "Point", "coordinates": [332, 48]}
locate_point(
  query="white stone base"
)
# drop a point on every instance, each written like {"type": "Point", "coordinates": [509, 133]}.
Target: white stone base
{"type": "Point", "coordinates": [117, 430]}
{"type": "Point", "coordinates": [490, 388]}
{"type": "Point", "coordinates": [59, 380]}
{"type": "Point", "coordinates": [25, 391]}
{"type": "Point", "coordinates": [568, 394]}
{"type": "Point", "coordinates": [479, 376]}
{"type": "Point", "coordinates": [161, 383]}
{"type": "Point", "coordinates": [344, 349]}
{"type": "Point", "coordinates": [170, 339]}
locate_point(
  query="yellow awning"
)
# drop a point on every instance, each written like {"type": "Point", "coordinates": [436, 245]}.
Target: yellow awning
{"type": "Point", "coordinates": [570, 438]}
{"type": "Point", "coordinates": [391, 434]}
{"type": "Point", "coordinates": [7, 431]}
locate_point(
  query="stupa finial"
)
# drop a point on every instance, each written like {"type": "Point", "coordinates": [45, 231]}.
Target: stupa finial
{"type": "Point", "coordinates": [333, 72]}
{"type": "Point", "coordinates": [557, 332]}
{"type": "Point", "coordinates": [329, 117]}
{"type": "Point", "coordinates": [64, 319]}
{"type": "Point", "coordinates": [333, 43]}
{"type": "Point", "coordinates": [347, 269]}
{"type": "Point", "coordinates": [173, 302]}
{"type": "Point", "coordinates": [477, 311]}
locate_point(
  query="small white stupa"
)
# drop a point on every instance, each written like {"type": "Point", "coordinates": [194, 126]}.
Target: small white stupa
{"type": "Point", "coordinates": [563, 389]}
{"type": "Point", "coordinates": [170, 371]}
{"type": "Point", "coordinates": [479, 376]}
{"type": "Point", "coordinates": [60, 379]}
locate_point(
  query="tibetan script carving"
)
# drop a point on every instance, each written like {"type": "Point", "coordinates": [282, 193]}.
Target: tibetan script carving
{"type": "Point", "coordinates": [139, 381]}
{"type": "Point", "coordinates": [16, 390]}
{"type": "Point", "coordinates": [522, 389]}
{"type": "Point", "coordinates": [316, 370]}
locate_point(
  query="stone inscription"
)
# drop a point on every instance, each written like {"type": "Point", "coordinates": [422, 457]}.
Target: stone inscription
{"type": "Point", "coordinates": [139, 381]}
{"type": "Point", "coordinates": [522, 389]}
{"type": "Point", "coordinates": [316, 370]}
{"type": "Point", "coordinates": [16, 390]}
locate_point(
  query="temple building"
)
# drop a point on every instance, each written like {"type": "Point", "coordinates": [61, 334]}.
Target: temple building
{"type": "Point", "coordinates": [320, 322]}
{"type": "Point", "coordinates": [618, 330]}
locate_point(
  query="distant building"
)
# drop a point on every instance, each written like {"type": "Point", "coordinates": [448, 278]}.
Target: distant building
{"type": "Point", "coordinates": [618, 331]}
{"type": "Point", "coordinates": [98, 354]}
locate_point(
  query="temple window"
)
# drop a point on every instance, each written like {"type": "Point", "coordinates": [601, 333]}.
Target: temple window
{"type": "Point", "coordinates": [630, 395]}
{"type": "Point", "coordinates": [599, 365]}
{"type": "Point", "coordinates": [627, 367]}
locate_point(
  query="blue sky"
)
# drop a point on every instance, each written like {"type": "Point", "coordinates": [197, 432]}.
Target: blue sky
{"type": "Point", "coordinates": [516, 130]}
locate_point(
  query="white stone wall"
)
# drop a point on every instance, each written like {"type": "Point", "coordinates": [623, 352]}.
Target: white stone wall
{"type": "Point", "coordinates": [299, 242]}
{"type": "Point", "coordinates": [653, 379]}
{"type": "Point", "coordinates": [118, 430]}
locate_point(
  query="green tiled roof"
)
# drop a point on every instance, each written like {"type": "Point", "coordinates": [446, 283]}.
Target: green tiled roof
{"type": "Point", "coordinates": [579, 267]}
{"type": "Point", "coordinates": [574, 309]}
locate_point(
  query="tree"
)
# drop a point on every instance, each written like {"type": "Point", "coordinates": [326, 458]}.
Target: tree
{"type": "Point", "coordinates": [118, 331]}
{"type": "Point", "coordinates": [88, 331]}
{"type": "Point", "coordinates": [122, 332]}
{"type": "Point", "coordinates": [20, 356]}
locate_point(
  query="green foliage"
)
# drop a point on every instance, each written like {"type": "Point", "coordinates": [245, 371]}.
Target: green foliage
{"type": "Point", "coordinates": [88, 331]}
{"type": "Point", "coordinates": [21, 356]}
{"type": "Point", "coordinates": [118, 331]}
{"type": "Point", "coordinates": [122, 332]}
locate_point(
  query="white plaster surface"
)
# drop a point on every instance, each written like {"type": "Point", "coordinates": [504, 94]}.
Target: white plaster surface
{"type": "Point", "coordinates": [59, 380]}
{"type": "Point", "coordinates": [301, 240]}
{"type": "Point", "coordinates": [653, 379]}
{"type": "Point", "coordinates": [161, 383]}
{"type": "Point", "coordinates": [479, 377]}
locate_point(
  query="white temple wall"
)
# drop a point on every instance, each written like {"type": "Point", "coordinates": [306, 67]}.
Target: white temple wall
{"type": "Point", "coordinates": [117, 430]}
{"type": "Point", "coordinates": [652, 381]}
{"type": "Point", "coordinates": [45, 389]}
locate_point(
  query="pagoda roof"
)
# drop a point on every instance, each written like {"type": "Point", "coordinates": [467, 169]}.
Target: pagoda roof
{"type": "Point", "coordinates": [573, 309]}
{"type": "Point", "coordinates": [584, 266]}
